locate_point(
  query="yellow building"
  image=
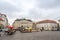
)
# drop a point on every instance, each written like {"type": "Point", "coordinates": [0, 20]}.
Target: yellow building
{"type": "Point", "coordinates": [23, 22]}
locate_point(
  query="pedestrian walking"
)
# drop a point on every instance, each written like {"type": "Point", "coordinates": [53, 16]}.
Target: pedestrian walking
{"type": "Point", "coordinates": [42, 29]}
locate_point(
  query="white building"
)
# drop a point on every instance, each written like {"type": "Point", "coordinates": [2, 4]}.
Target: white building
{"type": "Point", "coordinates": [59, 24]}
{"type": "Point", "coordinates": [5, 20]}
{"type": "Point", "coordinates": [47, 25]}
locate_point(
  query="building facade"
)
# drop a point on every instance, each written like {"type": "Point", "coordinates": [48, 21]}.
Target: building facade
{"type": "Point", "coordinates": [59, 24]}
{"type": "Point", "coordinates": [47, 25]}
{"type": "Point", "coordinates": [3, 20]}
{"type": "Point", "coordinates": [22, 22]}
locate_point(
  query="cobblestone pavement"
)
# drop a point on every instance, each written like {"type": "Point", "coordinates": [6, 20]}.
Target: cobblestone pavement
{"type": "Point", "coordinates": [45, 35]}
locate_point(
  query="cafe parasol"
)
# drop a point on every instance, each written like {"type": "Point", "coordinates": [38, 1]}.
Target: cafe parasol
{"type": "Point", "coordinates": [10, 27]}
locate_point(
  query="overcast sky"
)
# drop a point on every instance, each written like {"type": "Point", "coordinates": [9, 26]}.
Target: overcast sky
{"type": "Point", "coordinates": [30, 9]}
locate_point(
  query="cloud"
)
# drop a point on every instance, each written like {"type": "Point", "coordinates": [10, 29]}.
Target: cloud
{"type": "Point", "coordinates": [6, 7]}
{"type": "Point", "coordinates": [31, 9]}
{"type": "Point", "coordinates": [48, 3]}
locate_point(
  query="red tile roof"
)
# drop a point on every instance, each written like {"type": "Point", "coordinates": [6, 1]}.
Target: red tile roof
{"type": "Point", "coordinates": [46, 21]}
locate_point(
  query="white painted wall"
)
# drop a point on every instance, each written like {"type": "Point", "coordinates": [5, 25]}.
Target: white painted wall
{"type": "Point", "coordinates": [47, 26]}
